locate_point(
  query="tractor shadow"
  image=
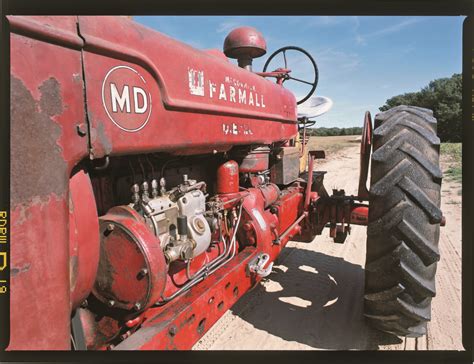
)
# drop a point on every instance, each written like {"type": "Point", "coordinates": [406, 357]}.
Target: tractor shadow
{"type": "Point", "coordinates": [313, 299]}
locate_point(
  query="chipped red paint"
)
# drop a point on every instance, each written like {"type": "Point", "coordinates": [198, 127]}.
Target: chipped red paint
{"type": "Point", "coordinates": [97, 330]}
{"type": "Point", "coordinates": [40, 294]}
{"type": "Point", "coordinates": [47, 101]}
{"type": "Point", "coordinates": [128, 246]}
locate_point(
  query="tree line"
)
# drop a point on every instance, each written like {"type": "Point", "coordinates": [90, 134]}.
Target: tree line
{"type": "Point", "coordinates": [444, 97]}
{"type": "Point", "coordinates": [333, 131]}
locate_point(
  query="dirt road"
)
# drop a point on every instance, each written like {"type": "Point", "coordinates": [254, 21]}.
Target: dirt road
{"type": "Point", "coordinates": [313, 299]}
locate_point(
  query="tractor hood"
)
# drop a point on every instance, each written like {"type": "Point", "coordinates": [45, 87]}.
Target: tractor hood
{"type": "Point", "coordinates": [146, 92]}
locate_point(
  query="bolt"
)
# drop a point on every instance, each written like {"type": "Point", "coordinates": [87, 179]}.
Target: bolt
{"type": "Point", "coordinates": [109, 228]}
{"type": "Point", "coordinates": [172, 330]}
{"type": "Point", "coordinates": [214, 151]}
{"type": "Point", "coordinates": [137, 306]}
{"type": "Point", "coordinates": [199, 226]}
{"type": "Point", "coordinates": [81, 129]}
{"type": "Point", "coordinates": [143, 272]}
{"type": "Point", "coordinates": [84, 304]}
{"type": "Point", "coordinates": [247, 226]}
{"type": "Point", "coordinates": [252, 241]}
{"type": "Point", "coordinates": [111, 303]}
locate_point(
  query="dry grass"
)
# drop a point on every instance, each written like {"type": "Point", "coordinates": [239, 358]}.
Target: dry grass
{"type": "Point", "coordinates": [333, 144]}
{"type": "Point", "coordinates": [451, 155]}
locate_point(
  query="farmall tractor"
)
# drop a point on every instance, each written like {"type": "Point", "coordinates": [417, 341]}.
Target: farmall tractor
{"type": "Point", "coordinates": [153, 184]}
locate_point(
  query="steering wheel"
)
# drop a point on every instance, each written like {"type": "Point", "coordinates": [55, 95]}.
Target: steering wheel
{"type": "Point", "coordinates": [314, 83]}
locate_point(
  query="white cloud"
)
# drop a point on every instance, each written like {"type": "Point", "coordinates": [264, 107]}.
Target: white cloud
{"type": "Point", "coordinates": [395, 28]}
{"type": "Point", "coordinates": [337, 60]}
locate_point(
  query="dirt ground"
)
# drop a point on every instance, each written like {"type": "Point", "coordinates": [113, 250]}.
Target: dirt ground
{"type": "Point", "coordinates": [314, 297]}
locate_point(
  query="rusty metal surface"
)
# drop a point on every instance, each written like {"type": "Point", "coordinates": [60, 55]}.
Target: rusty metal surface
{"type": "Point", "coordinates": [132, 269]}
{"type": "Point", "coordinates": [289, 207]}
{"type": "Point", "coordinates": [254, 160]}
{"type": "Point", "coordinates": [97, 330]}
{"type": "Point", "coordinates": [286, 169]}
{"type": "Point", "coordinates": [59, 30]}
{"type": "Point", "coordinates": [46, 103]}
{"type": "Point", "coordinates": [37, 136]}
{"type": "Point", "coordinates": [270, 192]}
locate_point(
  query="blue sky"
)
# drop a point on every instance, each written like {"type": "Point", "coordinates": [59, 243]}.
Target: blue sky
{"type": "Point", "coordinates": [362, 60]}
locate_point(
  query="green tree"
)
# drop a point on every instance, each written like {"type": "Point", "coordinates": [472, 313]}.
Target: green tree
{"type": "Point", "coordinates": [443, 96]}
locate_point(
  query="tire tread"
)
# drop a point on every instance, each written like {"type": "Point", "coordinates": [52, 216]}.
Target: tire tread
{"type": "Point", "coordinates": [404, 217]}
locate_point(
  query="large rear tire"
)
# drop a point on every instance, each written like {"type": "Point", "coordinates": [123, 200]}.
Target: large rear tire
{"type": "Point", "coordinates": [404, 220]}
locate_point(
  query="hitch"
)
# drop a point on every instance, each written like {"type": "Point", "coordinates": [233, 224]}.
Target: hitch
{"type": "Point", "coordinates": [257, 264]}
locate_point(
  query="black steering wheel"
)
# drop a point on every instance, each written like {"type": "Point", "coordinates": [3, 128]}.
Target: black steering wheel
{"type": "Point", "coordinates": [314, 83]}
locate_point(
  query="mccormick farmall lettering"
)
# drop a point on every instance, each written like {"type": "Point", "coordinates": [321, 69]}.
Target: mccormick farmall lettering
{"type": "Point", "coordinates": [231, 90]}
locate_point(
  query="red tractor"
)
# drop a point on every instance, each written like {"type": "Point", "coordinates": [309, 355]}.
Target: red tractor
{"type": "Point", "coordinates": [153, 184]}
